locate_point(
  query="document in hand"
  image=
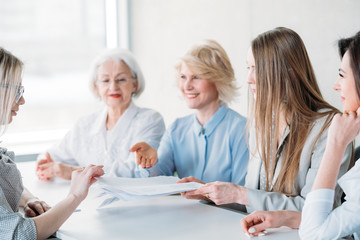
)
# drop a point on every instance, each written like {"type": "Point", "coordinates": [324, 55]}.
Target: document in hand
{"type": "Point", "coordinates": [128, 189]}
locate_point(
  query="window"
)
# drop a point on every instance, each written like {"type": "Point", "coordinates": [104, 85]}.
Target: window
{"type": "Point", "coordinates": [57, 41]}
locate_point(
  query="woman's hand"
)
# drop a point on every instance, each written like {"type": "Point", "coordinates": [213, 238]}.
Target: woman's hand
{"type": "Point", "coordinates": [83, 178]}
{"type": "Point", "coordinates": [221, 193]}
{"type": "Point", "coordinates": [190, 195]}
{"type": "Point", "coordinates": [146, 156]}
{"type": "Point", "coordinates": [45, 168]}
{"type": "Point", "coordinates": [190, 179]}
{"type": "Point", "coordinates": [257, 222]}
{"type": "Point", "coordinates": [34, 207]}
{"type": "Point", "coordinates": [344, 128]}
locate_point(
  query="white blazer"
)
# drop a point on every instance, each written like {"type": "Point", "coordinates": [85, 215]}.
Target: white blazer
{"type": "Point", "coordinates": [88, 142]}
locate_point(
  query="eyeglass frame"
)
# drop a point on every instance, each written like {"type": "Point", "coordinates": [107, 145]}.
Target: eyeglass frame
{"type": "Point", "coordinates": [19, 93]}
{"type": "Point", "coordinates": [117, 81]}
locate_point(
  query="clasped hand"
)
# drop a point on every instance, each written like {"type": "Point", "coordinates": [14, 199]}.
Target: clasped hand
{"type": "Point", "coordinates": [217, 192]}
{"type": "Point", "coordinates": [83, 178]}
{"type": "Point", "coordinates": [34, 207]}
{"type": "Point", "coordinates": [344, 128]}
{"type": "Point", "coordinates": [47, 169]}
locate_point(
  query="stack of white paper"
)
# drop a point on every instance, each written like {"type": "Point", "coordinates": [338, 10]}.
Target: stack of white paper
{"type": "Point", "coordinates": [127, 189]}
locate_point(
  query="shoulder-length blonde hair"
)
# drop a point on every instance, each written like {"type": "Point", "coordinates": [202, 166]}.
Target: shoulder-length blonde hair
{"type": "Point", "coordinates": [285, 83]}
{"type": "Point", "coordinates": [209, 61]}
{"type": "Point", "coordinates": [10, 80]}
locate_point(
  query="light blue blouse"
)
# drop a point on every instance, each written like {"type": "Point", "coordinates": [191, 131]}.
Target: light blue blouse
{"type": "Point", "coordinates": [216, 151]}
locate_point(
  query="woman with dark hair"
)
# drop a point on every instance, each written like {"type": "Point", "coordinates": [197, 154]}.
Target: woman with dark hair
{"type": "Point", "coordinates": [288, 128]}
{"type": "Point", "coordinates": [318, 219]}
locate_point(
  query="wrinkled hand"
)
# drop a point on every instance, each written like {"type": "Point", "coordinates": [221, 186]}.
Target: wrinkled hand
{"type": "Point", "coordinates": [189, 194]}
{"type": "Point", "coordinates": [34, 207]}
{"type": "Point", "coordinates": [146, 156]}
{"type": "Point", "coordinates": [45, 168]}
{"type": "Point", "coordinates": [83, 178]}
{"type": "Point", "coordinates": [220, 192]}
{"type": "Point", "coordinates": [258, 221]}
{"type": "Point", "coordinates": [344, 128]}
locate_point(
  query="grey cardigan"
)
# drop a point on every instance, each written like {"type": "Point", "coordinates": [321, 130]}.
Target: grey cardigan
{"type": "Point", "coordinates": [309, 165]}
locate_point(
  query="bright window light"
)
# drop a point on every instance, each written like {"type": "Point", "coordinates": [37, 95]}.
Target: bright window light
{"type": "Point", "coordinates": [111, 22]}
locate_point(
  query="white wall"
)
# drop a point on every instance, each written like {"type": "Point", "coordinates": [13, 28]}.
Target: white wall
{"type": "Point", "coordinates": [162, 31]}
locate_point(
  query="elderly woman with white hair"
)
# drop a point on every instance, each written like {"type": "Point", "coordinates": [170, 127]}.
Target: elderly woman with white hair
{"type": "Point", "coordinates": [209, 145]}
{"type": "Point", "coordinates": [105, 137]}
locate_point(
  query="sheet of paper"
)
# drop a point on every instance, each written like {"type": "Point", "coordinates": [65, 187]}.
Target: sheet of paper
{"type": "Point", "coordinates": [127, 189]}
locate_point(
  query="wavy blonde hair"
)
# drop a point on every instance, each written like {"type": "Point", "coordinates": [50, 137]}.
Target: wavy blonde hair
{"type": "Point", "coordinates": [10, 76]}
{"type": "Point", "coordinates": [285, 83]}
{"type": "Point", "coordinates": [209, 61]}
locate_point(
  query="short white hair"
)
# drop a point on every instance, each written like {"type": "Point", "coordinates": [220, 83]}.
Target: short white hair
{"type": "Point", "coordinates": [120, 55]}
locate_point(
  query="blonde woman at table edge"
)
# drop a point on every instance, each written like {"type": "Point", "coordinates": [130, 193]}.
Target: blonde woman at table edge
{"type": "Point", "coordinates": [41, 220]}
{"type": "Point", "coordinates": [319, 220]}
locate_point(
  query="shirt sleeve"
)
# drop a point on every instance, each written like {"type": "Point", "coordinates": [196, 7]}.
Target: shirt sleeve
{"type": "Point", "coordinates": [14, 225]}
{"type": "Point", "coordinates": [267, 201]}
{"type": "Point", "coordinates": [319, 221]}
{"type": "Point", "coordinates": [151, 131]}
{"type": "Point", "coordinates": [165, 165]}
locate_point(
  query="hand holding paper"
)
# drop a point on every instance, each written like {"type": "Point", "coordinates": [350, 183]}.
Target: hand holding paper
{"type": "Point", "coordinates": [128, 189]}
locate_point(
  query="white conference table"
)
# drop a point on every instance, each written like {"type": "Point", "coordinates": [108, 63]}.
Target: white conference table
{"type": "Point", "coordinates": [168, 217]}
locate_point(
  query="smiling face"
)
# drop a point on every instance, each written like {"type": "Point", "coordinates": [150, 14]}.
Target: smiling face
{"type": "Point", "coordinates": [251, 80]}
{"type": "Point", "coordinates": [345, 85]}
{"type": "Point", "coordinates": [198, 93]}
{"type": "Point", "coordinates": [115, 84]}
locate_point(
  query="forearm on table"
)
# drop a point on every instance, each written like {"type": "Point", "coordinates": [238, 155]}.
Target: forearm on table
{"type": "Point", "coordinates": [65, 170]}
{"type": "Point", "coordinates": [49, 222]}
{"type": "Point", "coordinates": [329, 168]}
{"type": "Point", "coordinates": [25, 197]}
{"type": "Point", "coordinates": [241, 195]}
{"type": "Point", "coordinates": [291, 219]}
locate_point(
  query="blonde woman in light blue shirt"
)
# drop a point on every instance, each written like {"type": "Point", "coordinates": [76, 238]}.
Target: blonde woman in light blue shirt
{"type": "Point", "coordinates": [210, 144]}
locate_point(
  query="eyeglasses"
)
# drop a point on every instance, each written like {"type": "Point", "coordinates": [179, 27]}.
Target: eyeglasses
{"type": "Point", "coordinates": [19, 92]}
{"type": "Point", "coordinates": [107, 82]}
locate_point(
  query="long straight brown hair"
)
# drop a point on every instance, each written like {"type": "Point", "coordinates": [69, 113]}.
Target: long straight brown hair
{"type": "Point", "coordinates": [285, 83]}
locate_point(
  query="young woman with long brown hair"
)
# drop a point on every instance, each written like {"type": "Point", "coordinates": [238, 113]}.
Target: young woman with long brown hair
{"type": "Point", "coordinates": [319, 220]}
{"type": "Point", "coordinates": [288, 128]}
